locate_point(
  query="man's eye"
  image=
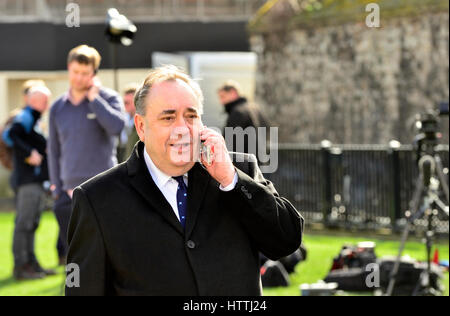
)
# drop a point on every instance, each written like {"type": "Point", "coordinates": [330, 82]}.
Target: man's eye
{"type": "Point", "coordinates": [167, 118]}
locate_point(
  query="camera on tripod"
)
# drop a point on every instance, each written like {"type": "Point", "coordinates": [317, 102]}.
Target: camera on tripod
{"type": "Point", "coordinates": [428, 136]}
{"type": "Point", "coordinates": [426, 202]}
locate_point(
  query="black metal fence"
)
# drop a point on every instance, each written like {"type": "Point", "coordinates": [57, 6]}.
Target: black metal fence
{"type": "Point", "coordinates": [353, 186]}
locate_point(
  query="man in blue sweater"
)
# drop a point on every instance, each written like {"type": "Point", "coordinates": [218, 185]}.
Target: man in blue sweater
{"type": "Point", "coordinates": [84, 127]}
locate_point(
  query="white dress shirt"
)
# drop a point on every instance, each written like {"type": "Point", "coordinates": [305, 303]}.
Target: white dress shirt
{"type": "Point", "coordinates": [169, 186]}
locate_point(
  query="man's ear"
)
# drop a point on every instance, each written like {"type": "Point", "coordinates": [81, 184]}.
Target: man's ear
{"type": "Point", "coordinates": [139, 124]}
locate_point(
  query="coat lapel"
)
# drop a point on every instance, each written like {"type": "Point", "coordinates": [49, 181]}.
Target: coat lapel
{"type": "Point", "coordinates": [141, 180]}
{"type": "Point", "coordinates": [143, 183]}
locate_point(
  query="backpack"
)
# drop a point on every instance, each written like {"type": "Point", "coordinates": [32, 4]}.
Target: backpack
{"type": "Point", "coordinates": [409, 277]}
{"type": "Point", "coordinates": [349, 267]}
{"type": "Point", "coordinates": [354, 257]}
{"type": "Point", "coordinates": [23, 116]}
{"type": "Point", "coordinates": [6, 155]}
{"type": "Point", "coordinates": [273, 274]}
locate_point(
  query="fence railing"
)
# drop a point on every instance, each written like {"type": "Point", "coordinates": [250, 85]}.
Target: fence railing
{"type": "Point", "coordinates": [353, 186]}
{"type": "Point", "coordinates": [136, 10]}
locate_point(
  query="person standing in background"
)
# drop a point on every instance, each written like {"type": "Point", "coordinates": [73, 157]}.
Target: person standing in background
{"type": "Point", "coordinates": [84, 126]}
{"type": "Point", "coordinates": [241, 114]}
{"type": "Point", "coordinates": [30, 172]}
{"type": "Point", "coordinates": [129, 136]}
{"type": "Point", "coordinates": [27, 85]}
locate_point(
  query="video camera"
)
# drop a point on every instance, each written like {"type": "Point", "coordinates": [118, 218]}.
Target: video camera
{"type": "Point", "coordinates": [427, 124]}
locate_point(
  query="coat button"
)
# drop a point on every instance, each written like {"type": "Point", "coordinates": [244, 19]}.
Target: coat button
{"type": "Point", "coordinates": [249, 196]}
{"type": "Point", "coordinates": [244, 189]}
{"type": "Point", "coordinates": [190, 244]}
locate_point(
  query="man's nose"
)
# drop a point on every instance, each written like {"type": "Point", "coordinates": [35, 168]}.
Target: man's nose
{"type": "Point", "coordinates": [181, 133]}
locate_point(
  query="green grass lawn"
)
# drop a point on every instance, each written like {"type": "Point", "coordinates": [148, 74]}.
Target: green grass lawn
{"type": "Point", "coordinates": [321, 250]}
{"type": "Point", "coordinates": [45, 245]}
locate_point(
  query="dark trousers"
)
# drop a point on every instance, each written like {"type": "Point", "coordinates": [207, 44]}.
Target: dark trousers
{"type": "Point", "coordinates": [63, 209]}
{"type": "Point", "coordinates": [30, 202]}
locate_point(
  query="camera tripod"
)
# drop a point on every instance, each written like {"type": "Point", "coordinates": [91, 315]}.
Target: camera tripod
{"type": "Point", "coordinates": [425, 203]}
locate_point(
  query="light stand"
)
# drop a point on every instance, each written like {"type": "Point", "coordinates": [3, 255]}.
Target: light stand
{"type": "Point", "coordinates": [120, 31]}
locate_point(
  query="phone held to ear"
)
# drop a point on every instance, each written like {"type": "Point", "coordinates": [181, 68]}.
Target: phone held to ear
{"type": "Point", "coordinates": [95, 82]}
{"type": "Point", "coordinates": [206, 153]}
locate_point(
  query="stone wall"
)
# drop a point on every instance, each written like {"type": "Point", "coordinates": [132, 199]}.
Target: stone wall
{"type": "Point", "coordinates": [352, 84]}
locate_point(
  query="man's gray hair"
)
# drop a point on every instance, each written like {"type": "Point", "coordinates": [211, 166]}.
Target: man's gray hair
{"type": "Point", "coordinates": [162, 74]}
{"type": "Point", "coordinates": [39, 89]}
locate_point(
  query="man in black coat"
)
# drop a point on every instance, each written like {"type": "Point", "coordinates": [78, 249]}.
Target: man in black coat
{"type": "Point", "coordinates": [242, 114]}
{"type": "Point", "coordinates": [171, 221]}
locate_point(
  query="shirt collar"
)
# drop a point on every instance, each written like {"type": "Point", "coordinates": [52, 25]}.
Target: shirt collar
{"type": "Point", "coordinates": [68, 97]}
{"type": "Point", "coordinates": [130, 121]}
{"type": "Point", "coordinates": [158, 176]}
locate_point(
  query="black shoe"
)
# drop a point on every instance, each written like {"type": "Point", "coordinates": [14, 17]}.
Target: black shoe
{"type": "Point", "coordinates": [26, 272]}
{"type": "Point", "coordinates": [37, 267]}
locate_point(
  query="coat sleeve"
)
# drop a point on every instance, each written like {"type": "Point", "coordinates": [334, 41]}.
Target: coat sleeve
{"type": "Point", "coordinates": [239, 119]}
{"type": "Point", "coordinates": [18, 135]}
{"type": "Point", "coordinates": [86, 249]}
{"type": "Point", "coordinates": [54, 154]}
{"type": "Point", "coordinates": [271, 221]}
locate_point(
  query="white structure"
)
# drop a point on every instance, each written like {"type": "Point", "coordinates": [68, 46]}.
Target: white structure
{"type": "Point", "coordinates": [211, 69]}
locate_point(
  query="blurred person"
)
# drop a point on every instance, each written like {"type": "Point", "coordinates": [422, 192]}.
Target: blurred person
{"type": "Point", "coordinates": [129, 136]}
{"type": "Point", "coordinates": [241, 114]}
{"type": "Point", "coordinates": [84, 127]}
{"type": "Point", "coordinates": [30, 169]}
{"type": "Point", "coordinates": [7, 152]}
{"type": "Point", "coordinates": [164, 224]}
{"type": "Point", "coordinates": [27, 85]}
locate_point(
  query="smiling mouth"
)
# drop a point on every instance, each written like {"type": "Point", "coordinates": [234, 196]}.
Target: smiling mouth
{"type": "Point", "coordinates": [180, 145]}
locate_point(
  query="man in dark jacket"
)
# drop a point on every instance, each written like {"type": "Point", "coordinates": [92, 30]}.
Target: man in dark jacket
{"type": "Point", "coordinates": [242, 115]}
{"type": "Point", "coordinates": [128, 136]}
{"type": "Point", "coordinates": [169, 221]}
{"type": "Point", "coordinates": [30, 169]}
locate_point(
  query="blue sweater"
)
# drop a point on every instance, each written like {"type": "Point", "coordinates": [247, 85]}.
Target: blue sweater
{"type": "Point", "coordinates": [82, 139]}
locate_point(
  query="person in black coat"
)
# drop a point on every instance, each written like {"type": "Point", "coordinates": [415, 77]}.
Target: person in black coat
{"type": "Point", "coordinates": [171, 220]}
{"type": "Point", "coordinates": [245, 115]}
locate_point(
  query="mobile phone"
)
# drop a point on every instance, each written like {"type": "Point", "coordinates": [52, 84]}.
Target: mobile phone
{"type": "Point", "coordinates": [94, 82]}
{"type": "Point", "coordinates": [205, 151]}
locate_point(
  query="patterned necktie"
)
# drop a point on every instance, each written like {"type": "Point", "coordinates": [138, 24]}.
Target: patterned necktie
{"type": "Point", "coordinates": [181, 199]}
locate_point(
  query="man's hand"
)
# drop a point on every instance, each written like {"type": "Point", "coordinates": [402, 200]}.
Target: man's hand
{"type": "Point", "coordinates": [94, 89]}
{"type": "Point", "coordinates": [70, 193]}
{"type": "Point", "coordinates": [221, 167]}
{"type": "Point", "coordinates": [35, 159]}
